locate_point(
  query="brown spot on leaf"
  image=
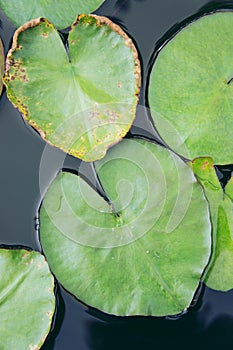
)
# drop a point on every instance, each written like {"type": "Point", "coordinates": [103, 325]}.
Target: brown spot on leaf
{"type": "Point", "coordinates": [33, 347]}
{"type": "Point", "coordinates": [24, 110]}
{"type": "Point", "coordinates": [49, 314]}
{"type": "Point", "coordinates": [24, 77]}
{"type": "Point", "coordinates": [113, 116]}
{"type": "Point", "coordinates": [25, 255]}
{"type": "Point", "coordinates": [207, 164]}
{"type": "Point", "coordinates": [39, 265]}
{"type": "Point", "coordinates": [93, 114]}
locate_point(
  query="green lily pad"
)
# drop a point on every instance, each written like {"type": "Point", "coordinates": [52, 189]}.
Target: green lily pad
{"type": "Point", "coordinates": [140, 255]}
{"type": "Point", "coordinates": [61, 13]}
{"type": "Point", "coordinates": [2, 65]}
{"type": "Point", "coordinates": [83, 100]}
{"type": "Point", "coordinates": [191, 91]}
{"type": "Point", "coordinates": [27, 301]}
{"type": "Point", "coordinates": [219, 274]}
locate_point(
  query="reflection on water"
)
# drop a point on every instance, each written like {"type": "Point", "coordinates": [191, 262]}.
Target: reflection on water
{"type": "Point", "coordinates": [124, 5]}
{"type": "Point", "coordinates": [207, 325]}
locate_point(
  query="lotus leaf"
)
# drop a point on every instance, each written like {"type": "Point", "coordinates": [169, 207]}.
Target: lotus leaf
{"type": "Point", "coordinates": [191, 89]}
{"type": "Point", "coordinates": [27, 301]}
{"type": "Point", "coordinates": [219, 274]}
{"type": "Point", "coordinates": [82, 99]}
{"type": "Point", "coordinates": [143, 253]}
{"type": "Point", "coordinates": [61, 12]}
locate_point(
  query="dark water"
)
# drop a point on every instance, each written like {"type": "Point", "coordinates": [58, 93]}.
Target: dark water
{"type": "Point", "coordinates": [208, 324]}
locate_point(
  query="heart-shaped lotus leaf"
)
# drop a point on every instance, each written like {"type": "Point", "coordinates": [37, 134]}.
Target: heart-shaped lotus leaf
{"type": "Point", "coordinates": [27, 300]}
{"type": "Point", "coordinates": [191, 89]}
{"type": "Point", "coordinates": [2, 64]}
{"type": "Point", "coordinates": [219, 274]}
{"type": "Point", "coordinates": [144, 253]}
{"type": "Point", "coordinates": [61, 12]}
{"type": "Point", "coordinates": [82, 98]}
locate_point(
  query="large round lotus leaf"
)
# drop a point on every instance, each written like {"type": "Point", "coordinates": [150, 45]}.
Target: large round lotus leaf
{"type": "Point", "coordinates": [61, 12]}
{"type": "Point", "coordinates": [82, 100]}
{"type": "Point", "coordinates": [191, 91]}
{"type": "Point", "coordinates": [219, 274]}
{"type": "Point", "coordinates": [27, 301]}
{"type": "Point", "coordinates": [2, 61]}
{"type": "Point", "coordinates": [144, 253]}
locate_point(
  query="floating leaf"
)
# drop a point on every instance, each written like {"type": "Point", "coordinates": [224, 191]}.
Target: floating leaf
{"type": "Point", "coordinates": [2, 62]}
{"type": "Point", "coordinates": [191, 91]}
{"type": "Point", "coordinates": [27, 301]}
{"type": "Point", "coordinates": [145, 253]}
{"type": "Point", "coordinates": [61, 13]}
{"type": "Point", "coordinates": [219, 275]}
{"type": "Point", "coordinates": [82, 100]}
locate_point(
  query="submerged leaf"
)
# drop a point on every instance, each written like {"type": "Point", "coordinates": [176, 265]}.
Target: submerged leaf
{"type": "Point", "coordinates": [81, 100]}
{"type": "Point", "coordinates": [144, 253]}
{"type": "Point", "coordinates": [61, 13]}
{"type": "Point", "coordinates": [191, 89]}
{"type": "Point", "coordinates": [219, 274]}
{"type": "Point", "coordinates": [27, 301]}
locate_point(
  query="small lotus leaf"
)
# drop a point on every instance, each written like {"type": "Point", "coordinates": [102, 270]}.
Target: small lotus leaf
{"type": "Point", "coordinates": [82, 100]}
{"type": "Point", "coordinates": [144, 253]}
{"type": "Point", "coordinates": [61, 12]}
{"type": "Point", "coordinates": [27, 301]}
{"type": "Point", "coordinates": [191, 89]}
{"type": "Point", "coordinates": [219, 274]}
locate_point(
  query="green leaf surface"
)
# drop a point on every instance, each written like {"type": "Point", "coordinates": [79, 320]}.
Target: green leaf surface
{"type": "Point", "coordinates": [144, 253]}
{"type": "Point", "coordinates": [2, 65]}
{"type": "Point", "coordinates": [191, 92]}
{"type": "Point", "coordinates": [219, 275]}
{"type": "Point", "coordinates": [61, 12]}
{"type": "Point", "coordinates": [82, 100]}
{"type": "Point", "coordinates": [27, 301]}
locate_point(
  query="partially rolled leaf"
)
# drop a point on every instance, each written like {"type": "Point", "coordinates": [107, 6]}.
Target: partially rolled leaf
{"type": "Point", "coordinates": [82, 98]}
{"type": "Point", "coordinates": [191, 89]}
{"type": "Point", "coordinates": [145, 251]}
{"type": "Point", "coordinates": [219, 274]}
{"type": "Point", "coordinates": [27, 300]}
{"type": "Point", "coordinates": [2, 65]}
{"type": "Point", "coordinates": [61, 12]}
